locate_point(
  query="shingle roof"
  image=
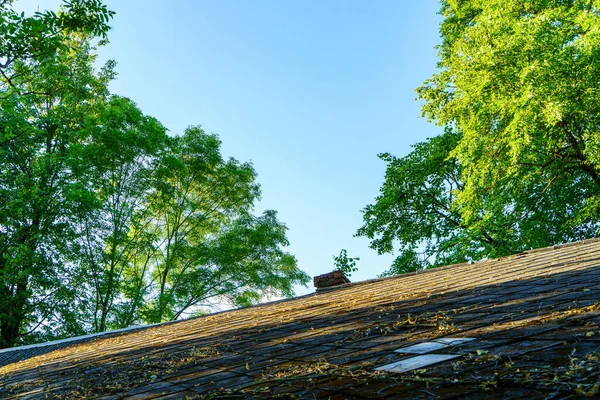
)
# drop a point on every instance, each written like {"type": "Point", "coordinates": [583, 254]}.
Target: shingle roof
{"type": "Point", "coordinates": [533, 318]}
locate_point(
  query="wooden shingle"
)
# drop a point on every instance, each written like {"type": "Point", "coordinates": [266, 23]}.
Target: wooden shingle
{"type": "Point", "coordinates": [534, 319]}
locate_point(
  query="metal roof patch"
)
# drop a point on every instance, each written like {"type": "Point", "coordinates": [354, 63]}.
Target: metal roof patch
{"type": "Point", "coordinates": [438, 344]}
{"type": "Point", "coordinates": [417, 362]}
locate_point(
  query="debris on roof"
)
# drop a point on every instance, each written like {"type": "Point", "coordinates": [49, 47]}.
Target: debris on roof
{"type": "Point", "coordinates": [520, 326]}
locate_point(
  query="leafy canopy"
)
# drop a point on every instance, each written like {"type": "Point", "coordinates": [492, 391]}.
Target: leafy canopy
{"type": "Point", "coordinates": [519, 80]}
{"type": "Point", "coordinates": [517, 167]}
{"type": "Point", "coordinates": [44, 109]}
{"type": "Point", "coordinates": [105, 220]}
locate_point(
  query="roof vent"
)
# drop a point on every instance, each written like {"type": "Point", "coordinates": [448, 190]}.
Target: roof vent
{"type": "Point", "coordinates": [334, 278]}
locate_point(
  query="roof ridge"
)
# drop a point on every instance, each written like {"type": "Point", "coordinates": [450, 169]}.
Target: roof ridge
{"type": "Point", "coordinates": [79, 339]}
{"type": "Point", "coordinates": [449, 266]}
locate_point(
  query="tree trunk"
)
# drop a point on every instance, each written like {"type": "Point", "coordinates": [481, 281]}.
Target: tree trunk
{"type": "Point", "coordinates": [11, 319]}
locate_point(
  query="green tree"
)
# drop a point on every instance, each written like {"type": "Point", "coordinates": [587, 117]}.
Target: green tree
{"type": "Point", "coordinates": [518, 83]}
{"type": "Point", "coordinates": [105, 221]}
{"type": "Point", "coordinates": [40, 191]}
{"type": "Point", "coordinates": [121, 155]}
{"type": "Point", "coordinates": [414, 215]}
{"type": "Point", "coordinates": [41, 102]}
{"type": "Point", "coordinates": [519, 80]}
{"type": "Point", "coordinates": [208, 245]}
{"type": "Point", "coordinates": [417, 216]}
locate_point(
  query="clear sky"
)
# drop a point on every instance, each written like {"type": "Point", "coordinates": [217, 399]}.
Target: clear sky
{"type": "Point", "coordinates": [310, 91]}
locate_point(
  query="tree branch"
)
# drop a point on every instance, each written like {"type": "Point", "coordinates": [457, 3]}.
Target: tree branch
{"type": "Point", "coordinates": [579, 154]}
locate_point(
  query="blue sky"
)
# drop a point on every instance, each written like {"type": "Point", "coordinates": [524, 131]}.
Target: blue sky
{"type": "Point", "coordinates": [309, 91]}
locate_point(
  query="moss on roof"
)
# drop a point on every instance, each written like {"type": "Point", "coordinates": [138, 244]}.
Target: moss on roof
{"type": "Point", "coordinates": [535, 317]}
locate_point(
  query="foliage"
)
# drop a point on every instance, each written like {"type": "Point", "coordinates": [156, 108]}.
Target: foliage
{"type": "Point", "coordinates": [415, 209]}
{"type": "Point", "coordinates": [344, 263]}
{"type": "Point", "coordinates": [124, 149]}
{"type": "Point", "coordinates": [105, 221]}
{"type": "Point", "coordinates": [40, 190]}
{"type": "Point", "coordinates": [517, 167]}
{"type": "Point", "coordinates": [29, 44]}
{"type": "Point", "coordinates": [205, 243]}
{"type": "Point", "coordinates": [519, 81]}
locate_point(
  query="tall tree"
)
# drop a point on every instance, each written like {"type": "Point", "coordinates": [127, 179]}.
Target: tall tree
{"type": "Point", "coordinates": [417, 216]}
{"type": "Point", "coordinates": [207, 243]}
{"type": "Point", "coordinates": [40, 194]}
{"type": "Point", "coordinates": [105, 221]}
{"type": "Point", "coordinates": [38, 95]}
{"type": "Point", "coordinates": [122, 152]}
{"type": "Point", "coordinates": [520, 81]}
{"type": "Point", "coordinates": [414, 213]}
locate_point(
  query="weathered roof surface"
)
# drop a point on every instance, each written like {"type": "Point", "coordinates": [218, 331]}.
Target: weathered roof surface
{"type": "Point", "coordinates": [533, 318]}
{"type": "Point", "coordinates": [14, 354]}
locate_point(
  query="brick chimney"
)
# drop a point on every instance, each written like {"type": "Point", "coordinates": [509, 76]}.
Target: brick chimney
{"type": "Point", "coordinates": [334, 278]}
